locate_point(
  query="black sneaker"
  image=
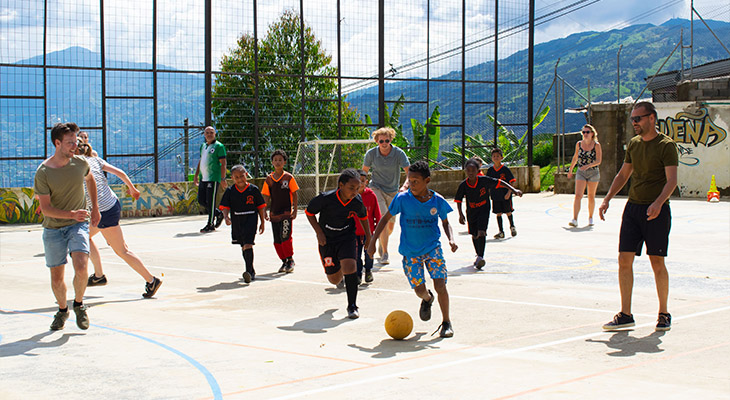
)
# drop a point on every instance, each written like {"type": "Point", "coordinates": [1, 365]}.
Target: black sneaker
{"type": "Point", "coordinates": [218, 219]}
{"type": "Point", "coordinates": [94, 281]}
{"type": "Point", "coordinates": [513, 230]}
{"type": "Point", "coordinates": [207, 228]}
{"type": "Point", "coordinates": [289, 265]}
{"type": "Point", "coordinates": [282, 269]}
{"type": "Point", "coordinates": [82, 319]}
{"type": "Point", "coordinates": [446, 330]}
{"type": "Point", "coordinates": [352, 312]}
{"type": "Point", "coordinates": [620, 321]}
{"type": "Point", "coordinates": [368, 276]}
{"type": "Point", "coordinates": [151, 288]}
{"type": "Point", "coordinates": [664, 322]}
{"type": "Point", "coordinates": [247, 277]}
{"type": "Point", "coordinates": [425, 311]}
{"type": "Point", "coordinates": [59, 320]}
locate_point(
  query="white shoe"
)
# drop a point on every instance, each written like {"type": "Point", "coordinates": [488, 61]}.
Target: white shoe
{"type": "Point", "coordinates": [384, 259]}
{"type": "Point", "coordinates": [590, 221]}
{"type": "Point", "coordinates": [573, 223]}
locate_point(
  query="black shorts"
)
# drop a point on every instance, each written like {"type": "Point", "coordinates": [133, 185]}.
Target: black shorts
{"type": "Point", "coordinates": [332, 253]}
{"type": "Point", "coordinates": [636, 230]}
{"type": "Point", "coordinates": [477, 220]}
{"type": "Point", "coordinates": [110, 217]}
{"type": "Point", "coordinates": [243, 229]}
{"type": "Point", "coordinates": [502, 206]}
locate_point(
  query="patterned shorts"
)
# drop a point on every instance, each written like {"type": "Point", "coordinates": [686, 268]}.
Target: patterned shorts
{"type": "Point", "coordinates": [434, 262]}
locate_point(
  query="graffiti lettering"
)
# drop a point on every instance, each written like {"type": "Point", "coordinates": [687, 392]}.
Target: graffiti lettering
{"type": "Point", "coordinates": [694, 129]}
{"type": "Point", "coordinates": [685, 156]}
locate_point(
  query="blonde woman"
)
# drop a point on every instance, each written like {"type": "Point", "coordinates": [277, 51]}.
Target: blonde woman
{"type": "Point", "coordinates": [587, 157]}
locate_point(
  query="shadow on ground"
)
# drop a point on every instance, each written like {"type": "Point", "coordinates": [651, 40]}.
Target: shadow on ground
{"type": "Point", "coordinates": [629, 346]}
{"type": "Point", "coordinates": [390, 347]}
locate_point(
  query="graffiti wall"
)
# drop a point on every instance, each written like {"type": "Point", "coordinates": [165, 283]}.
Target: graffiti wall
{"type": "Point", "coordinates": [18, 205]}
{"type": "Point", "coordinates": [701, 133]}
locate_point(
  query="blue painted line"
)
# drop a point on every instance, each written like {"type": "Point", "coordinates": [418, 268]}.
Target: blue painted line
{"type": "Point", "coordinates": [550, 209]}
{"type": "Point", "coordinates": [214, 387]}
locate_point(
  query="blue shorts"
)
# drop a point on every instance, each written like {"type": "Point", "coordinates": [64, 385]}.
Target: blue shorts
{"type": "Point", "coordinates": [111, 216]}
{"type": "Point", "coordinates": [69, 239]}
{"type": "Point", "coordinates": [434, 262]}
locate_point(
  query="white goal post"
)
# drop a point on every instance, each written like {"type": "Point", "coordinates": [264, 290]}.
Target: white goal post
{"type": "Point", "coordinates": [315, 159]}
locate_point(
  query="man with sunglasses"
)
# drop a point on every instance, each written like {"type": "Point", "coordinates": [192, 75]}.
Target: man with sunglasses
{"type": "Point", "coordinates": [651, 162]}
{"type": "Point", "coordinates": [386, 162]}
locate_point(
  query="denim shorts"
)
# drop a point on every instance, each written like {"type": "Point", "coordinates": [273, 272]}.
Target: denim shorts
{"type": "Point", "coordinates": [69, 239]}
{"type": "Point", "coordinates": [589, 175]}
{"type": "Point", "coordinates": [111, 216]}
{"type": "Point", "coordinates": [434, 263]}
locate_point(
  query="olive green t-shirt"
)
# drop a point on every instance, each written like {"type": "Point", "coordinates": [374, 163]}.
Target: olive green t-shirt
{"type": "Point", "coordinates": [66, 187]}
{"type": "Point", "coordinates": [649, 159]}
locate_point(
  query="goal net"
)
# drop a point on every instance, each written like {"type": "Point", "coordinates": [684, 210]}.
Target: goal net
{"type": "Point", "coordinates": [318, 164]}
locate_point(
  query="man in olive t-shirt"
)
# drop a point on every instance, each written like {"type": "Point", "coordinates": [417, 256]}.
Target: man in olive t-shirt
{"type": "Point", "coordinates": [59, 185]}
{"type": "Point", "coordinates": [651, 163]}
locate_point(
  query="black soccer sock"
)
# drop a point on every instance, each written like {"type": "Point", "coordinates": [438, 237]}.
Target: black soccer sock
{"type": "Point", "coordinates": [248, 258]}
{"type": "Point", "coordinates": [511, 221]}
{"type": "Point", "coordinates": [351, 287]}
{"type": "Point", "coordinates": [77, 304]}
{"type": "Point", "coordinates": [63, 309]}
{"type": "Point", "coordinates": [479, 243]}
{"type": "Point", "coordinates": [499, 223]}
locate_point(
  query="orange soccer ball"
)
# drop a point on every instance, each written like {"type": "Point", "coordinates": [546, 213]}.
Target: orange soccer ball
{"type": "Point", "coordinates": [398, 324]}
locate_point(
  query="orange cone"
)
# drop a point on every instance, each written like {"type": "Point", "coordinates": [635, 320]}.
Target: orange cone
{"type": "Point", "coordinates": [713, 195]}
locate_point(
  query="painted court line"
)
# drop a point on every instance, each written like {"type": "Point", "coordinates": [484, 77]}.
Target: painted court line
{"type": "Point", "coordinates": [478, 358]}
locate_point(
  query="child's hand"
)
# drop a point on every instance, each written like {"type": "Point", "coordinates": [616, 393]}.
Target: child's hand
{"type": "Point", "coordinates": [461, 219]}
{"type": "Point", "coordinates": [321, 238]}
{"type": "Point", "coordinates": [294, 213]}
{"type": "Point", "coordinates": [266, 215]}
{"type": "Point", "coordinates": [518, 193]}
{"type": "Point", "coordinates": [453, 246]}
{"type": "Point", "coordinates": [261, 228]}
{"type": "Point", "coordinates": [228, 220]}
{"type": "Point", "coordinates": [371, 248]}
{"type": "Point", "coordinates": [507, 196]}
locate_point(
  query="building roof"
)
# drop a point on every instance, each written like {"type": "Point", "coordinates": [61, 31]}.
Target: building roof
{"type": "Point", "coordinates": [669, 79]}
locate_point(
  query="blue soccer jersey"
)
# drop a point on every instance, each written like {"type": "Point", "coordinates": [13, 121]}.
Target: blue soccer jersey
{"type": "Point", "coordinates": [419, 222]}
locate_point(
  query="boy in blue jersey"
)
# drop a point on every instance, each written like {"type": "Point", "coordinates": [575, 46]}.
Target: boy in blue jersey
{"type": "Point", "coordinates": [421, 209]}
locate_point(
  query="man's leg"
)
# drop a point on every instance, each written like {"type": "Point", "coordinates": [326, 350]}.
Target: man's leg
{"type": "Point", "coordinates": [661, 276]}
{"type": "Point", "coordinates": [58, 285]}
{"type": "Point", "coordinates": [626, 279]}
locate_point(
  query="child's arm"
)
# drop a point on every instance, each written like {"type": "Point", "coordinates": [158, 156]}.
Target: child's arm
{"type": "Point", "coordinates": [518, 192]}
{"type": "Point", "coordinates": [449, 235]}
{"type": "Point", "coordinates": [267, 199]}
{"type": "Point", "coordinates": [321, 238]}
{"type": "Point", "coordinates": [294, 203]}
{"type": "Point", "coordinates": [226, 212]}
{"type": "Point", "coordinates": [462, 220]}
{"type": "Point", "coordinates": [262, 216]}
{"type": "Point", "coordinates": [378, 229]}
{"type": "Point", "coordinates": [366, 228]}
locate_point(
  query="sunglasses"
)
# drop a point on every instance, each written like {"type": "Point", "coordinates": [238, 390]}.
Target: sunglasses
{"type": "Point", "coordinates": [587, 132]}
{"type": "Point", "coordinates": [381, 141]}
{"type": "Point", "coordinates": [638, 117]}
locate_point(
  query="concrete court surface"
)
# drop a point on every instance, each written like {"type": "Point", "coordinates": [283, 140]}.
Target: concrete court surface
{"type": "Point", "coordinates": [527, 327]}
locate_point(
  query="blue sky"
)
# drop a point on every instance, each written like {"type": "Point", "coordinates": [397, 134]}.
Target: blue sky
{"type": "Point", "coordinates": [180, 40]}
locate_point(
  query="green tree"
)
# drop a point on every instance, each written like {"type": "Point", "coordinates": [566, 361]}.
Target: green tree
{"type": "Point", "coordinates": [275, 79]}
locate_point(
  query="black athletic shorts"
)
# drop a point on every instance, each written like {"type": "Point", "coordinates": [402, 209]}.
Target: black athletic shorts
{"type": "Point", "coordinates": [477, 221]}
{"type": "Point", "coordinates": [636, 230]}
{"type": "Point", "coordinates": [243, 229]}
{"type": "Point", "coordinates": [332, 253]}
{"type": "Point", "coordinates": [502, 206]}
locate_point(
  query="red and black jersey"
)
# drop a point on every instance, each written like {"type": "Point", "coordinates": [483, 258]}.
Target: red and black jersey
{"type": "Point", "coordinates": [504, 174]}
{"type": "Point", "coordinates": [280, 191]}
{"type": "Point", "coordinates": [337, 218]}
{"type": "Point", "coordinates": [477, 196]}
{"type": "Point", "coordinates": [242, 203]}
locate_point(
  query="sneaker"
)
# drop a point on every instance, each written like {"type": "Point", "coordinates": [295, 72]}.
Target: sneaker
{"type": "Point", "coordinates": [82, 319]}
{"type": "Point", "coordinates": [247, 277]}
{"type": "Point", "coordinates": [368, 276]}
{"type": "Point", "coordinates": [151, 288]}
{"type": "Point", "coordinates": [359, 280]}
{"type": "Point", "coordinates": [218, 219]}
{"type": "Point", "coordinates": [207, 228]}
{"type": "Point", "coordinates": [500, 235]}
{"type": "Point", "coordinates": [94, 281]}
{"type": "Point", "coordinates": [513, 230]}
{"type": "Point", "coordinates": [664, 322]}
{"type": "Point", "coordinates": [352, 312]}
{"type": "Point", "coordinates": [479, 263]}
{"type": "Point", "coordinates": [573, 223]}
{"type": "Point", "coordinates": [59, 320]}
{"type": "Point", "coordinates": [341, 285]}
{"type": "Point", "coordinates": [590, 221]}
{"type": "Point", "coordinates": [620, 321]}
{"type": "Point", "coordinates": [384, 259]}
{"type": "Point", "coordinates": [289, 266]}
{"type": "Point", "coordinates": [282, 269]}
{"type": "Point", "coordinates": [425, 311]}
{"type": "Point", "coordinates": [446, 330]}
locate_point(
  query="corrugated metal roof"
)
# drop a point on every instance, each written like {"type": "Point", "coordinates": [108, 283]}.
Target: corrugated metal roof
{"type": "Point", "coordinates": [672, 78]}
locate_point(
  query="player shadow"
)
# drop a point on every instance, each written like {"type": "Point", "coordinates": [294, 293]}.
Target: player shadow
{"type": "Point", "coordinates": [586, 228]}
{"type": "Point", "coordinates": [388, 348]}
{"type": "Point", "coordinates": [189, 234]}
{"type": "Point", "coordinates": [70, 301]}
{"type": "Point", "coordinates": [25, 347]}
{"type": "Point", "coordinates": [629, 346]}
{"type": "Point", "coordinates": [318, 324]}
{"type": "Point", "coordinates": [223, 286]}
